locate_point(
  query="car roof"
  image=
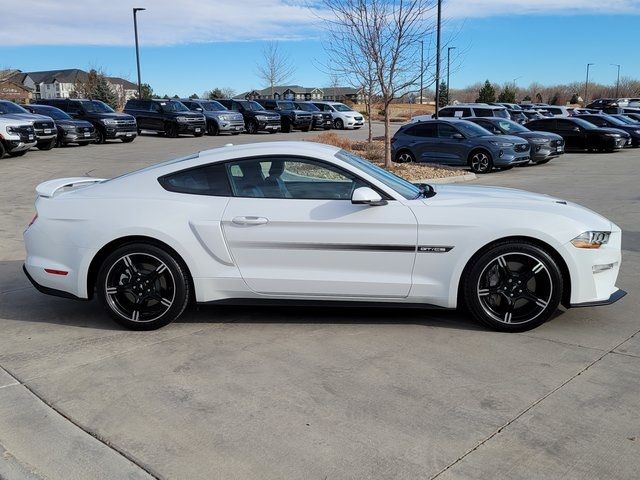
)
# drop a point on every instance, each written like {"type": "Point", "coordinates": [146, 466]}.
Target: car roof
{"type": "Point", "coordinates": [478, 105]}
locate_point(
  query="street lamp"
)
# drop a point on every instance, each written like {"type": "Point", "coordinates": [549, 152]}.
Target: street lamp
{"type": "Point", "coordinates": [135, 29]}
{"type": "Point", "coordinates": [438, 58]}
{"type": "Point", "coordinates": [618, 81]}
{"type": "Point", "coordinates": [586, 84]}
{"type": "Point", "coordinates": [421, 69]}
{"type": "Point", "coordinates": [448, 70]}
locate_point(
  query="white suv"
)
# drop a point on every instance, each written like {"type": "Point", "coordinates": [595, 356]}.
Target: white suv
{"type": "Point", "coordinates": [16, 136]}
{"type": "Point", "coordinates": [343, 116]}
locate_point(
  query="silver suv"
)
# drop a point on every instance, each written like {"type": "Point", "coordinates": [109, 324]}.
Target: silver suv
{"type": "Point", "coordinates": [219, 118]}
{"type": "Point", "coordinates": [467, 110]}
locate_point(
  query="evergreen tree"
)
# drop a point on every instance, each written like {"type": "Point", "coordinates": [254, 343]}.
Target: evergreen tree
{"type": "Point", "coordinates": [574, 98]}
{"type": "Point", "coordinates": [527, 98]}
{"type": "Point", "coordinates": [193, 96]}
{"type": "Point", "coordinates": [555, 100]}
{"type": "Point", "coordinates": [147, 91]}
{"type": "Point", "coordinates": [507, 95]}
{"type": "Point", "coordinates": [538, 97]}
{"type": "Point", "coordinates": [487, 93]}
{"type": "Point", "coordinates": [96, 87]}
{"type": "Point", "coordinates": [444, 97]}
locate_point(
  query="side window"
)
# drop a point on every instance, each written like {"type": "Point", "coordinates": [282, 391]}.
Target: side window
{"type": "Point", "coordinates": [153, 107]}
{"type": "Point", "coordinates": [234, 106]}
{"type": "Point", "coordinates": [565, 126]}
{"type": "Point", "coordinates": [483, 112]}
{"type": "Point", "coordinates": [133, 104]}
{"type": "Point", "coordinates": [290, 178]}
{"type": "Point", "coordinates": [423, 129]}
{"type": "Point", "coordinates": [73, 107]}
{"type": "Point", "coordinates": [600, 122]}
{"type": "Point", "coordinates": [446, 131]}
{"type": "Point", "coordinates": [455, 112]}
{"type": "Point", "coordinates": [207, 180]}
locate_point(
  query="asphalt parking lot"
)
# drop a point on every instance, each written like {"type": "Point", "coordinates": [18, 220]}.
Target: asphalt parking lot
{"type": "Point", "coordinates": [290, 393]}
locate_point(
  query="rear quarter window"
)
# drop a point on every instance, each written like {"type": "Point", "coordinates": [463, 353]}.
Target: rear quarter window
{"type": "Point", "coordinates": [207, 180]}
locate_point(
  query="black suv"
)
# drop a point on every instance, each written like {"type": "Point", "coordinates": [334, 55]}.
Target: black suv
{"type": "Point", "coordinates": [69, 130]}
{"type": "Point", "coordinates": [108, 123]}
{"type": "Point", "coordinates": [256, 118]}
{"type": "Point", "coordinates": [292, 118]}
{"type": "Point", "coordinates": [168, 117]}
{"type": "Point", "coordinates": [321, 119]}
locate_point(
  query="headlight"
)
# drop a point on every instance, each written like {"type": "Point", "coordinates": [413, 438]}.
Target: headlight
{"type": "Point", "coordinates": [637, 132]}
{"type": "Point", "coordinates": [181, 119]}
{"type": "Point", "coordinates": [591, 239]}
{"type": "Point", "coordinates": [501, 144]}
{"type": "Point", "coordinates": [614, 135]}
{"type": "Point", "coordinates": [539, 140]}
{"type": "Point", "coordinates": [12, 130]}
{"type": "Point", "coordinates": [224, 118]}
{"type": "Point", "coordinates": [108, 121]}
{"type": "Point", "coordinates": [68, 128]}
{"type": "Point", "coordinates": [261, 117]}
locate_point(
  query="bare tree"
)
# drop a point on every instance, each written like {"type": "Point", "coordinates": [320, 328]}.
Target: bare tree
{"type": "Point", "coordinates": [276, 67]}
{"type": "Point", "coordinates": [383, 36]}
{"type": "Point", "coordinates": [228, 92]}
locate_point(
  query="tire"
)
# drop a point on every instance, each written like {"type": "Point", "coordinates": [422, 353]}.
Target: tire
{"type": "Point", "coordinates": [513, 286]}
{"type": "Point", "coordinates": [100, 137]}
{"type": "Point", "coordinates": [171, 130]}
{"type": "Point", "coordinates": [542, 162]}
{"type": "Point", "coordinates": [143, 287]}
{"type": "Point", "coordinates": [338, 124]}
{"type": "Point", "coordinates": [213, 129]}
{"type": "Point", "coordinates": [405, 156]}
{"type": "Point", "coordinates": [286, 127]}
{"type": "Point", "coordinates": [2, 150]}
{"type": "Point", "coordinates": [47, 145]}
{"type": "Point", "coordinates": [307, 129]}
{"type": "Point", "coordinates": [18, 154]}
{"type": "Point", "coordinates": [480, 161]}
{"type": "Point", "coordinates": [127, 140]}
{"type": "Point", "coordinates": [252, 127]}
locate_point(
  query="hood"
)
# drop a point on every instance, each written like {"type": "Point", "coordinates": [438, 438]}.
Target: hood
{"type": "Point", "coordinates": [266, 113]}
{"type": "Point", "coordinates": [500, 198]}
{"type": "Point", "coordinates": [188, 114]}
{"type": "Point", "coordinates": [115, 115]}
{"type": "Point", "coordinates": [75, 123]}
{"type": "Point", "coordinates": [32, 117]}
{"type": "Point", "coordinates": [622, 133]}
{"type": "Point", "coordinates": [507, 138]}
{"type": "Point", "coordinates": [545, 135]}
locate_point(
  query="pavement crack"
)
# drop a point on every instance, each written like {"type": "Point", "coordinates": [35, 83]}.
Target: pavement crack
{"type": "Point", "coordinates": [560, 342]}
{"type": "Point", "coordinates": [534, 404]}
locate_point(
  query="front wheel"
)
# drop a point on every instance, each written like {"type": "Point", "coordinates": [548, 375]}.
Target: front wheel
{"type": "Point", "coordinates": [142, 286]}
{"type": "Point", "coordinates": [100, 137]}
{"type": "Point", "coordinates": [338, 124]}
{"type": "Point", "coordinates": [213, 129]}
{"type": "Point", "coordinates": [171, 130]}
{"type": "Point", "coordinates": [512, 287]}
{"type": "Point", "coordinates": [252, 127]}
{"type": "Point", "coordinates": [481, 162]}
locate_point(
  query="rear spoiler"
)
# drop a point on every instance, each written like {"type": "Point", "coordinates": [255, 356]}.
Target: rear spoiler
{"type": "Point", "coordinates": [52, 187]}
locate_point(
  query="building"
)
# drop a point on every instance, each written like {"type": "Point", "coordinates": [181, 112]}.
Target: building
{"type": "Point", "coordinates": [297, 92]}
{"type": "Point", "coordinates": [125, 89]}
{"type": "Point", "coordinates": [12, 86]}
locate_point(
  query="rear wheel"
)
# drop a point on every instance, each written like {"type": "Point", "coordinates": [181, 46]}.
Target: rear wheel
{"type": "Point", "coordinates": [143, 287]}
{"type": "Point", "coordinates": [480, 161]}
{"type": "Point", "coordinates": [513, 287]}
{"type": "Point", "coordinates": [405, 156]}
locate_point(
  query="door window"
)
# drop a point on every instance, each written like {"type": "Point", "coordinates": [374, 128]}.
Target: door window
{"type": "Point", "coordinates": [423, 129]}
{"type": "Point", "coordinates": [446, 131]}
{"type": "Point", "coordinates": [566, 126]}
{"type": "Point", "coordinates": [74, 107]}
{"type": "Point", "coordinates": [291, 178]}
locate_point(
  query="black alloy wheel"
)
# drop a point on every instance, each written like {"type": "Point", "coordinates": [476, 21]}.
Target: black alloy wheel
{"type": "Point", "coordinates": [252, 127]}
{"type": "Point", "coordinates": [100, 136]}
{"type": "Point", "coordinates": [481, 162]}
{"type": "Point", "coordinates": [514, 286]}
{"type": "Point", "coordinates": [171, 130]}
{"type": "Point", "coordinates": [143, 287]}
{"type": "Point", "coordinates": [213, 129]}
{"type": "Point", "coordinates": [338, 124]}
{"type": "Point", "coordinates": [405, 156]}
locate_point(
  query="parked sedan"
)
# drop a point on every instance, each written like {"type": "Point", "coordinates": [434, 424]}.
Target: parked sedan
{"type": "Point", "coordinates": [70, 130]}
{"type": "Point", "coordinates": [628, 117]}
{"type": "Point", "coordinates": [300, 221]}
{"type": "Point", "coordinates": [544, 146]}
{"type": "Point", "coordinates": [609, 121]}
{"type": "Point", "coordinates": [581, 135]}
{"type": "Point", "coordinates": [458, 142]}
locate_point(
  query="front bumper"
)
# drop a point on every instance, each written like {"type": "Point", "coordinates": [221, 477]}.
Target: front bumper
{"type": "Point", "coordinates": [191, 127]}
{"type": "Point", "coordinates": [269, 125]}
{"type": "Point", "coordinates": [509, 157]}
{"type": "Point", "coordinates": [354, 122]}
{"type": "Point", "coordinates": [126, 132]}
{"type": "Point", "coordinates": [75, 137]}
{"type": "Point", "coordinates": [231, 126]}
{"type": "Point", "coordinates": [20, 145]}
{"type": "Point", "coordinates": [615, 296]}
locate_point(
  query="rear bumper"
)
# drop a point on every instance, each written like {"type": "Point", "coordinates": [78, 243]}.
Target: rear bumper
{"type": "Point", "coordinates": [615, 296]}
{"type": "Point", "coordinates": [48, 290]}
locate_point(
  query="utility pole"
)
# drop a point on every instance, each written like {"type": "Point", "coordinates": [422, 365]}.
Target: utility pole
{"type": "Point", "coordinates": [421, 68]}
{"type": "Point", "coordinates": [448, 71]}
{"type": "Point", "coordinates": [618, 81]}
{"type": "Point", "coordinates": [135, 29]}
{"type": "Point", "coordinates": [586, 84]}
{"type": "Point", "coordinates": [438, 58]}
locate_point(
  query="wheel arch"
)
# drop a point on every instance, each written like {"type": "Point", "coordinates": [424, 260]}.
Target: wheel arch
{"type": "Point", "coordinates": [478, 149]}
{"type": "Point", "coordinates": [553, 252]}
{"type": "Point", "coordinates": [106, 250]}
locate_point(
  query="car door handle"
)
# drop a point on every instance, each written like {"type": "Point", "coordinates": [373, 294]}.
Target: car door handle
{"type": "Point", "coordinates": [250, 220]}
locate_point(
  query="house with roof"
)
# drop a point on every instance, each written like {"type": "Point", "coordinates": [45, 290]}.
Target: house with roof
{"type": "Point", "coordinates": [342, 94]}
{"type": "Point", "coordinates": [297, 92]}
{"type": "Point", "coordinates": [13, 86]}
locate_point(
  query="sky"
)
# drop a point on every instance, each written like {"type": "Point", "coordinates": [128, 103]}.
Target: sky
{"type": "Point", "coordinates": [190, 46]}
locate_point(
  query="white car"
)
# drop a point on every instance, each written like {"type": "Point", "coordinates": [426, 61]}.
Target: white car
{"type": "Point", "coordinates": [17, 136]}
{"type": "Point", "coordinates": [343, 116]}
{"type": "Point", "coordinates": [305, 222]}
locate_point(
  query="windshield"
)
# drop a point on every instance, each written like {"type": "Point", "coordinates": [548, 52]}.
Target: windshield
{"type": "Point", "coordinates": [470, 129]}
{"type": "Point", "coordinates": [10, 107]}
{"type": "Point", "coordinates": [286, 105]}
{"type": "Point", "coordinates": [509, 126]}
{"type": "Point", "coordinates": [52, 112]}
{"type": "Point", "coordinates": [397, 184]}
{"type": "Point", "coordinates": [501, 113]}
{"type": "Point", "coordinates": [307, 107]}
{"type": "Point", "coordinates": [341, 108]}
{"type": "Point", "coordinates": [616, 121]}
{"type": "Point", "coordinates": [212, 106]}
{"type": "Point", "coordinates": [253, 106]}
{"type": "Point", "coordinates": [173, 106]}
{"type": "Point", "coordinates": [96, 106]}
{"type": "Point", "coordinates": [626, 119]}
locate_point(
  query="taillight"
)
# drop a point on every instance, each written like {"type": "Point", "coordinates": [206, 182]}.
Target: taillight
{"type": "Point", "coordinates": [33, 220]}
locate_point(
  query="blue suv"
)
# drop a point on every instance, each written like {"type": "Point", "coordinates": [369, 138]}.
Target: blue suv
{"type": "Point", "coordinates": [458, 143]}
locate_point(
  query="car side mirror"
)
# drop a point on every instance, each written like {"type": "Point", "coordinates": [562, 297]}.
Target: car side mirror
{"type": "Point", "coordinates": [367, 196]}
{"type": "Point", "coordinates": [458, 136]}
{"type": "Point", "coordinates": [199, 109]}
{"type": "Point", "coordinates": [576, 129]}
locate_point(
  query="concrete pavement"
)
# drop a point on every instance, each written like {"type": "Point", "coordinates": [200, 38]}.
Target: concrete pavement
{"type": "Point", "coordinates": [238, 392]}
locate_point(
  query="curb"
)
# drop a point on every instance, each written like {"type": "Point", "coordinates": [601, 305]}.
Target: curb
{"type": "Point", "coordinates": [467, 177]}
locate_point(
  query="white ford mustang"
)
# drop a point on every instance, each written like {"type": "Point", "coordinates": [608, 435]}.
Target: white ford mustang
{"type": "Point", "coordinates": [304, 222]}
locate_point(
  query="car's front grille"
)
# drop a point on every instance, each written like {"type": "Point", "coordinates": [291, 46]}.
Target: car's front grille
{"type": "Point", "coordinates": [195, 119]}
{"type": "Point", "coordinates": [359, 119]}
{"type": "Point", "coordinates": [522, 147]}
{"type": "Point", "coordinates": [557, 143]}
{"type": "Point", "coordinates": [273, 121]}
{"type": "Point", "coordinates": [84, 129]}
{"type": "Point", "coordinates": [125, 123]}
{"type": "Point", "coordinates": [24, 131]}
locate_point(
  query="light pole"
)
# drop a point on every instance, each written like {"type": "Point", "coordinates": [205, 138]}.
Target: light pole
{"type": "Point", "coordinates": [438, 58]}
{"type": "Point", "coordinates": [421, 69]}
{"type": "Point", "coordinates": [135, 29]}
{"type": "Point", "coordinates": [449, 71]}
{"type": "Point", "coordinates": [618, 81]}
{"type": "Point", "coordinates": [586, 84]}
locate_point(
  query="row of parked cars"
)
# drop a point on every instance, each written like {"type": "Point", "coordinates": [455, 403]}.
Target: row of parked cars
{"type": "Point", "coordinates": [484, 137]}
{"type": "Point", "coordinates": [48, 123]}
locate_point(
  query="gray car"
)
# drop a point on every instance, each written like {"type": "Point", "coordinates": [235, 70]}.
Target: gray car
{"type": "Point", "coordinates": [219, 118]}
{"type": "Point", "coordinates": [458, 143]}
{"type": "Point", "coordinates": [544, 145]}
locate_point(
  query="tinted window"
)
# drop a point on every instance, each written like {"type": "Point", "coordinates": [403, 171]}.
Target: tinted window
{"type": "Point", "coordinates": [424, 129]}
{"type": "Point", "coordinates": [10, 107]}
{"type": "Point", "coordinates": [600, 122]}
{"type": "Point", "coordinates": [455, 112]}
{"type": "Point", "coordinates": [207, 180]}
{"type": "Point", "coordinates": [555, 111]}
{"type": "Point", "coordinates": [566, 125]}
{"type": "Point", "coordinates": [291, 178]}
{"type": "Point", "coordinates": [483, 112]}
{"type": "Point", "coordinates": [74, 107]}
{"type": "Point", "coordinates": [446, 131]}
